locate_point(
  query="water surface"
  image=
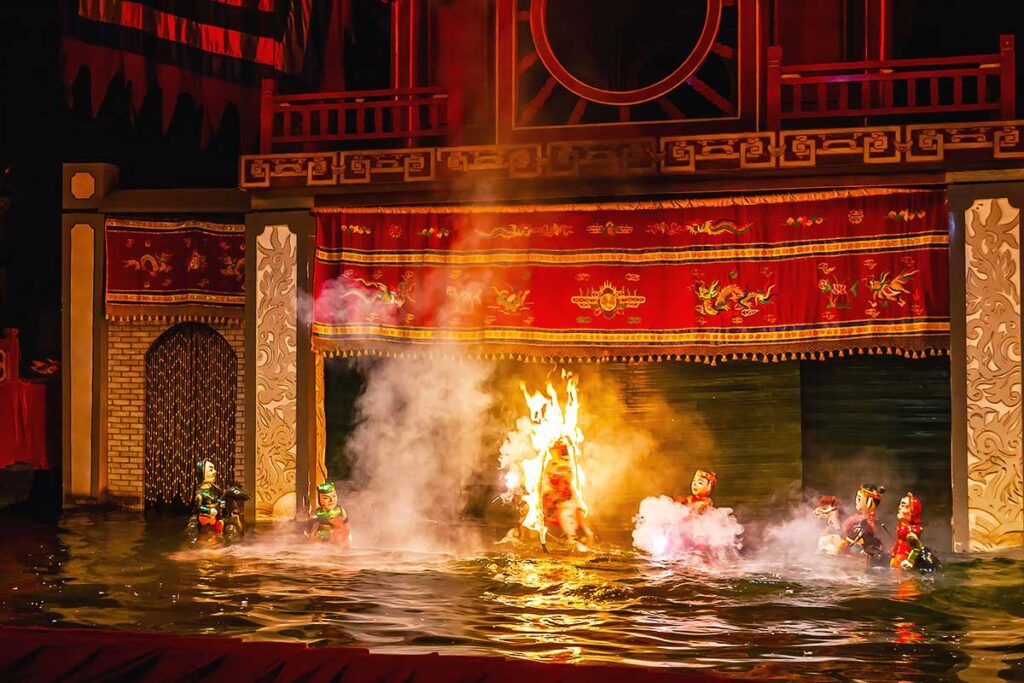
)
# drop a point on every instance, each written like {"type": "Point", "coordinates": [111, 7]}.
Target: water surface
{"type": "Point", "coordinates": [116, 570]}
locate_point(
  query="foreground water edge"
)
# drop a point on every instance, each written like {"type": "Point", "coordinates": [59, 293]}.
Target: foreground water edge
{"type": "Point", "coordinates": [813, 620]}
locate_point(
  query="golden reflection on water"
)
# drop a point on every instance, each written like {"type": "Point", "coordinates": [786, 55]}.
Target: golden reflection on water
{"type": "Point", "coordinates": [556, 605]}
{"type": "Point", "coordinates": [772, 621]}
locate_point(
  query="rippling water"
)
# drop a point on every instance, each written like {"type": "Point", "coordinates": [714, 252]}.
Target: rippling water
{"type": "Point", "coordinates": [114, 570]}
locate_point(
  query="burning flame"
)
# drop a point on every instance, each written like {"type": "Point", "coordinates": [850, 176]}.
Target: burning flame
{"type": "Point", "coordinates": [551, 424]}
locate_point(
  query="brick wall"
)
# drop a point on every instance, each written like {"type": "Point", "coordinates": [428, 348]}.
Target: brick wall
{"type": "Point", "coordinates": [127, 343]}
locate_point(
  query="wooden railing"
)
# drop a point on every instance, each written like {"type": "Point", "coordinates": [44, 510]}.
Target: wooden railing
{"type": "Point", "coordinates": [944, 85]}
{"type": "Point", "coordinates": [323, 120]}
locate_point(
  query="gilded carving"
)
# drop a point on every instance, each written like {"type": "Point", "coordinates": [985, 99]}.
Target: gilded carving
{"type": "Point", "coordinates": [518, 161]}
{"type": "Point", "coordinates": [276, 353]}
{"type": "Point", "coordinates": [410, 165]}
{"type": "Point", "coordinates": [995, 473]}
{"type": "Point", "coordinates": [321, 421]}
{"type": "Point", "coordinates": [691, 154]}
{"type": "Point", "coordinates": [858, 145]}
{"type": "Point", "coordinates": [316, 168]}
{"type": "Point", "coordinates": [599, 157]}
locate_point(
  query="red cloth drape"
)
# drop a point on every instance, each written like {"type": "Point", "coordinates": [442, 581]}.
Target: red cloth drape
{"type": "Point", "coordinates": [23, 424]}
{"type": "Point", "coordinates": [772, 275]}
{"type": "Point", "coordinates": [174, 268]}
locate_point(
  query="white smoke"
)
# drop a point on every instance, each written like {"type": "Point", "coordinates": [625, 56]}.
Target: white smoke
{"type": "Point", "coordinates": [666, 530]}
{"type": "Point", "coordinates": [420, 433]}
{"type": "Point", "coordinates": [517, 447]}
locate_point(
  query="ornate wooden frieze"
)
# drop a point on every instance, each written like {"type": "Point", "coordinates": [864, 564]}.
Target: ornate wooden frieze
{"type": "Point", "coordinates": [933, 143]}
{"type": "Point", "coordinates": [512, 161]}
{"type": "Point", "coordinates": [394, 166]}
{"type": "Point", "coordinates": [726, 152]}
{"type": "Point", "coordinates": [854, 149]}
{"type": "Point", "coordinates": [995, 475]}
{"type": "Point", "coordinates": [276, 355]}
{"type": "Point", "coordinates": [283, 170]}
{"type": "Point", "coordinates": [839, 146]}
{"type": "Point", "coordinates": [622, 157]}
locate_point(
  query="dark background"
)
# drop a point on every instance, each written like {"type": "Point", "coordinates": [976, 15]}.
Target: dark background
{"type": "Point", "coordinates": [776, 434]}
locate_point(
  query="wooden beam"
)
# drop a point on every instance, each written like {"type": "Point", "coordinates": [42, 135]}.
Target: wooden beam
{"type": "Point", "coordinates": [177, 200]}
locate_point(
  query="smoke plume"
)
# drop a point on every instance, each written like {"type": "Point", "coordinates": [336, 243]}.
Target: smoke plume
{"type": "Point", "coordinates": [666, 530]}
{"type": "Point", "coordinates": [420, 433]}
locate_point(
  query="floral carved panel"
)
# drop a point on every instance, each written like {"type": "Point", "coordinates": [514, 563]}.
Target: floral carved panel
{"type": "Point", "coordinates": [276, 349]}
{"type": "Point", "coordinates": [995, 486]}
{"type": "Point", "coordinates": [321, 421]}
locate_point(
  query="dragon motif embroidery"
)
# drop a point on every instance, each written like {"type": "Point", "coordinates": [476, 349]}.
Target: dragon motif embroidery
{"type": "Point", "coordinates": [233, 267]}
{"type": "Point", "coordinates": [380, 293]}
{"type": "Point", "coordinates": [718, 226]}
{"type": "Point", "coordinates": [466, 298]}
{"type": "Point", "coordinates": [715, 299]}
{"type": "Point", "coordinates": [152, 265]}
{"type": "Point", "coordinates": [513, 231]}
{"type": "Point", "coordinates": [196, 262]}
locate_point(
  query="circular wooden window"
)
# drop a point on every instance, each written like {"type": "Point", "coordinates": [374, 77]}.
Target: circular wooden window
{"type": "Point", "coordinates": [554, 22]}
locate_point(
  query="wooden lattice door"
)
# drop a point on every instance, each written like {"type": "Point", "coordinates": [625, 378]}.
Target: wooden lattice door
{"type": "Point", "coordinates": [191, 393]}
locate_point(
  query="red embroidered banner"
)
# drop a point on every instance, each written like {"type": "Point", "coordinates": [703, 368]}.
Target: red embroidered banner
{"type": "Point", "coordinates": [182, 269]}
{"type": "Point", "coordinates": [765, 275]}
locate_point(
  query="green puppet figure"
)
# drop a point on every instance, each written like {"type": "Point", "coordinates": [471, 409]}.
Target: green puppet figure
{"type": "Point", "coordinates": [330, 522]}
{"type": "Point", "coordinates": [208, 501]}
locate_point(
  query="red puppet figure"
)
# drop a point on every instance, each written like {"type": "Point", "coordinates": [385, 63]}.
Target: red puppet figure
{"type": "Point", "coordinates": [699, 500]}
{"type": "Point", "coordinates": [560, 506]}
{"type": "Point", "coordinates": [908, 546]}
{"type": "Point", "coordinates": [859, 528]}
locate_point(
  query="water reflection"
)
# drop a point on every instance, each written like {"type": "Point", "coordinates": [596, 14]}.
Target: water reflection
{"type": "Point", "coordinates": [774, 622]}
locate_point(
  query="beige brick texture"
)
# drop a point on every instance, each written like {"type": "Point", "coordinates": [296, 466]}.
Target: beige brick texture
{"type": "Point", "coordinates": [127, 343]}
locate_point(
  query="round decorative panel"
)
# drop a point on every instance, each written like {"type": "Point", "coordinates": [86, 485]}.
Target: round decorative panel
{"type": "Point", "coordinates": [623, 53]}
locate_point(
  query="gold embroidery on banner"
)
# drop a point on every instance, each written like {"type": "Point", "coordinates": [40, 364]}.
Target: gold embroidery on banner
{"type": "Point", "coordinates": [711, 226]}
{"type": "Point", "coordinates": [714, 299]}
{"type": "Point", "coordinates": [379, 293]}
{"type": "Point", "coordinates": [233, 267]}
{"type": "Point", "coordinates": [196, 262]}
{"type": "Point", "coordinates": [608, 300]}
{"type": "Point", "coordinates": [609, 228]}
{"type": "Point", "coordinates": [680, 255]}
{"type": "Point", "coordinates": [174, 297]}
{"type": "Point", "coordinates": [854, 329]}
{"type": "Point", "coordinates": [150, 264]}
{"type": "Point", "coordinates": [514, 231]}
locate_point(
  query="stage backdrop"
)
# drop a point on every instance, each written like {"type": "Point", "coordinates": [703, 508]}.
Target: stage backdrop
{"type": "Point", "coordinates": [179, 270]}
{"type": "Point", "coordinates": [775, 276]}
